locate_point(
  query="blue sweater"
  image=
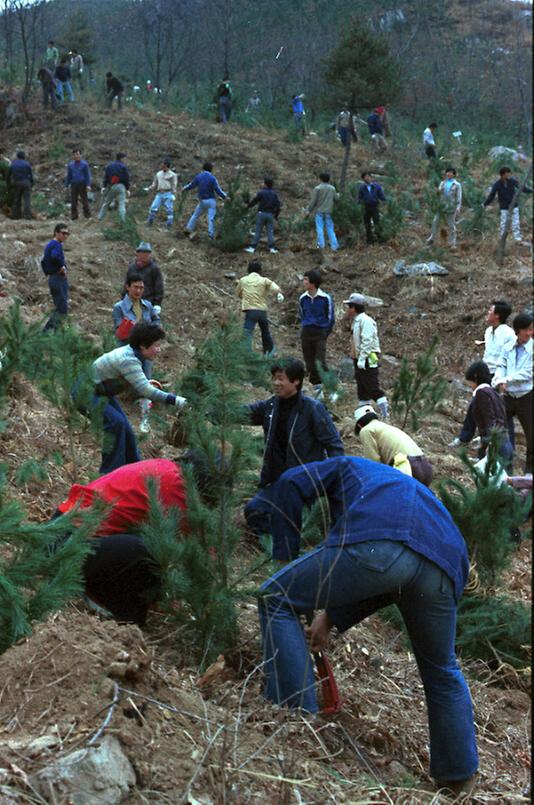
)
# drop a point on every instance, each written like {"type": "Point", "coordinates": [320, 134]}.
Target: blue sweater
{"type": "Point", "coordinates": [53, 258]}
{"type": "Point", "coordinates": [267, 201]}
{"type": "Point", "coordinates": [370, 194]}
{"type": "Point", "coordinates": [368, 501]}
{"type": "Point", "coordinates": [374, 124]}
{"type": "Point", "coordinates": [78, 173]}
{"type": "Point", "coordinates": [505, 192]}
{"type": "Point", "coordinates": [117, 170]}
{"type": "Point", "coordinates": [317, 311]}
{"type": "Point", "coordinates": [207, 186]}
{"type": "Point", "coordinates": [20, 170]}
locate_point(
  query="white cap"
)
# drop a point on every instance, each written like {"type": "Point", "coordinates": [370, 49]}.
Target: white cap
{"type": "Point", "coordinates": [362, 411]}
{"type": "Point", "coordinates": [355, 299]}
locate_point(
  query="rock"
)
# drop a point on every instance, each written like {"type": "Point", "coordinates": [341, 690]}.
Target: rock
{"type": "Point", "coordinates": [19, 245]}
{"type": "Point", "coordinates": [100, 775]}
{"type": "Point", "coordinates": [400, 269]}
{"type": "Point", "coordinates": [502, 152]}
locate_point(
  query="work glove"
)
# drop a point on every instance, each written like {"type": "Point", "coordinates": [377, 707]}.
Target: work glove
{"type": "Point", "coordinates": [157, 309]}
{"type": "Point", "coordinates": [279, 297]}
{"type": "Point", "coordinates": [180, 401]}
{"type": "Point", "coordinates": [361, 363]}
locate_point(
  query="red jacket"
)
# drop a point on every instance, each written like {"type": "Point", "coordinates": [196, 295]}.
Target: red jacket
{"type": "Point", "coordinates": [126, 489]}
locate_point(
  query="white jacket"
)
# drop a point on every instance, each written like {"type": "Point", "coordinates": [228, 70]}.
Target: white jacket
{"type": "Point", "coordinates": [364, 338]}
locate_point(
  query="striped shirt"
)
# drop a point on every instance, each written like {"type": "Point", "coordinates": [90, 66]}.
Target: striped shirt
{"type": "Point", "coordinates": [123, 365]}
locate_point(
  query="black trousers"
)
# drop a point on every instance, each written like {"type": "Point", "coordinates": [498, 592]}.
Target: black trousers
{"type": "Point", "coordinates": [21, 192]}
{"type": "Point", "coordinates": [367, 382]}
{"type": "Point", "coordinates": [371, 214]}
{"type": "Point", "coordinates": [313, 343]}
{"type": "Point", "coordinates": [79, 190]}
{"type": "Point", "coordinates": [521, 407]}
{"type": "Point", "coordinates": [430, 151]}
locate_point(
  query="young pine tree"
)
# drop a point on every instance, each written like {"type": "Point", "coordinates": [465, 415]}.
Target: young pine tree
{"type": "Point", "coordinates": [198, 565]}
{"type": "Point", "coordinates": [419, 390]}
{"type": "Point", "coordinates": [235, 218]}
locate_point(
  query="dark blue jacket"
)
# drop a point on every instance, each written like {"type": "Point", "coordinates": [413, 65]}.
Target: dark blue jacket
{"type": "Point", "coordinates": [505, 192]}
{"type": "Point", "coordinates": [62, 73]}
{"type": "Point", "coordinates": [118, 170]}
{"type": "Point", "coordinates": [53, 258]}
{"type": "Point", "coordinates": [267, 201]}
{"type": "Point", "coordinates": [374, 124]}
{"type": "Point", "coordinates": [78, 173]}
{"type": "Point", "coordinates": [317, 311]}
{"type": "Point", "coordinates": [312, 434]}
{"type": "Point", "coordinates": [370, 194]}
{"type": "Point", "coordinates": [368, 501]}
{"type": "Point", "coordinates": [207, 186]}
{"type": "Point", "coordinates": [20, 170]}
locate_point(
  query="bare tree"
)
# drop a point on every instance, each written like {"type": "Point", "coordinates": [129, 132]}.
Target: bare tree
{"type": "Point", "coordinates": [28, 20]}
{"type": "Point", "coordinates": [166, 30]}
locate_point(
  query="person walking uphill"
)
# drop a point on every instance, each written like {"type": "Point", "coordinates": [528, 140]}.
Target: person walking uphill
{"type": "Point", "coordinates": [113, 373]}
{"type": "Point", "coordinates": [114, 89]}
{"type": "Point", "coordinates": [450, 199]}
{"type": "Point", "coordinates": [253, 291]}
{"type": "Point", "coordinates": [115, 186]}
{"type": "Point", "coordinates": [20, 182]}
{"type": "Point", "coordinates": [322, 206]}
{"type": "Point", "coordinates": [78, 178]}
{"type": "Point", "coordinates": [150, 272]}
{"type": "Point", "coordinates": [208, 187]}
{"type": "Point", "coordinates": [365, 352]}
{"type": "Point", "coordinates": [54, 267]}
{"type": "Point", "coordinates": [370, 194]}
{"type": "Point", "coordinates": [429, 144]}
{"type": "Point", "coordinates": [389, 445]}
{"type": "Point", "coordinates": [505, 188]}
{"type": "Point", "coordinates": [317, 318]}
{"type": "Point", "coordinates": [390, 541]}
{"type": "Point", "coordinates": [297, 430]}
{"type": "Point", "coordinates": [48, 86]}
{"type": "Point", "coordinates": [268, 211]}
{"type": "Point", "coordinates": [165, 184]}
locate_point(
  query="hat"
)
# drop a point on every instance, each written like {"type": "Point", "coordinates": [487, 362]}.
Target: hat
{"type": "Point", "coordinates": [355, 299]}
{"type": "Point", "coordinates": [144, 247]}
{"type": "Point", "coordinates": [362, 411]}
{"type": "Point", "coordinates": [380, 109]}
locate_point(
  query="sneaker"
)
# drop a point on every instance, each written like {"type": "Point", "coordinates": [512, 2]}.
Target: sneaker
{"type": "Point", "coordinates": [334, 397]}
{"type": "Point", "coordinates": [144, 425]}
{"type": "Point", "coordinates": [430, 239]}
{"type": "Point", "coordinates": [458, 787]}
{"type": "Point", "coordinates": [96, 607]}
{"type": "Point", "coordinates": [455, 442]}
{"type": "Point", "coordinates": [250, 249]}
{"type": "Point", "coordinates": [272, 250]}
{"type": "Point", "coordinates": [191, 235]}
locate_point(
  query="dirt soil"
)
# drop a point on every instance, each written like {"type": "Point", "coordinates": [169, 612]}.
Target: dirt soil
{"type": "Point", "coordinates": [220, 743]}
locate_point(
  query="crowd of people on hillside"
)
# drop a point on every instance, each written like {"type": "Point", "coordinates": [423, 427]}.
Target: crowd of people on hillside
{"type": "Point", "coordinates": [389, 539]}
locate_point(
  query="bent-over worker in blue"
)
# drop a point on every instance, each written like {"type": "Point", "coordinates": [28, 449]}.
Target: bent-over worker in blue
{"type": "Point", "coordinates": [390, 541]}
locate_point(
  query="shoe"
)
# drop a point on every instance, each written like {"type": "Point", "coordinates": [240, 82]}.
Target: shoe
{"type": "Point", "coordinates": [96, 607]}
{"type": "Point", "coordinates": [272, 250]}
{"type": "Point", "coordinates": [250, 249]}
{"type": "Point", "coordinates": [455, 442]}
{"type": "Point", "coordinates": [149, 222]}
{"type": "Point", "coordinates": [458, 787]}
{"type": "Point", "coordinates": [168, 225]}
{"type": "Point", "coordinates": [144, 425]}
{"type": "Point", "coordinates": [334, 397]}
{"type": "Point", "coordinates": [192, 235]}
{"type": "Point", "coordinates": [430, 239]}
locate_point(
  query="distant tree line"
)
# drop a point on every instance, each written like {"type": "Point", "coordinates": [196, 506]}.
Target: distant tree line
{"type": "Point", "coordinates": [469, 59]}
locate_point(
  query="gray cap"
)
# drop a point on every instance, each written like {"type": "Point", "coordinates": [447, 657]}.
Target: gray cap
{"type": "Point", "coordinates": [144, 247]}
{"type": "Point", "coordinates": [355, 299]}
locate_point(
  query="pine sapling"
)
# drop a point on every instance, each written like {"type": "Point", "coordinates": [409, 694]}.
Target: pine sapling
{"type": "Point", "coordinates": [418, 391]}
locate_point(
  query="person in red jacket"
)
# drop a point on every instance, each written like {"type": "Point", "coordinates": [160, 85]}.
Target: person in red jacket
{"type": "Point", "coordinates": [120, 574]}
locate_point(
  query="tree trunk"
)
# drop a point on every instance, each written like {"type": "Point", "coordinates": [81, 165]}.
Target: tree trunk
{"type": "Point", "coordinates": [344, 165]}
{"type": "Point", "coordinates": [502, 242]}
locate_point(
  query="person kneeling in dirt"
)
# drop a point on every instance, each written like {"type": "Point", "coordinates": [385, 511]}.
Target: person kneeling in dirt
{"type": "Point", "coordinates": [389, 445]}
{"type": "Point", "coordinates": [120, 574]}
{"type": "Point", "coordinates": [113, 373]}
{"type": "Point", "coordinates": [390, 541]}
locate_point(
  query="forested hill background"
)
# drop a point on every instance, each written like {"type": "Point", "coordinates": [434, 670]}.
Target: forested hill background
{"type": "Point", "coordinates": [465, 62]}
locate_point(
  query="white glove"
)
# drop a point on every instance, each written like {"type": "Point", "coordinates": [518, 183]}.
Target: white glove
{"type": "Point", "coordinates": [146, 189]}
{"type": "Point", "coordinates": [157, 309]}
{"type": "Point", "coordinates": [180, 401]}
{"type": "Point", "coordinates": [279, 297]}
{"type": "Point", "coordinates": [361, 363]}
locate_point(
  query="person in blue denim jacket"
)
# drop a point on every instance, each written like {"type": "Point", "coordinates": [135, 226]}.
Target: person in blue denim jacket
{"type": "Point", "coordinates": [390, 541]}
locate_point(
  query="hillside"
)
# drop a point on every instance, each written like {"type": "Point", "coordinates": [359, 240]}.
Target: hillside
{"type": "Point", "coordinates": [377, 752]}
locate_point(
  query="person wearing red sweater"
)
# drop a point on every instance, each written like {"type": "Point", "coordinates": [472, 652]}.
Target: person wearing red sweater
{"type": "Point", "coordinates": [120, 575]}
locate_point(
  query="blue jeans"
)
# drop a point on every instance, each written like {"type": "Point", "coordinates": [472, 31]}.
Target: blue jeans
{"type": "Point", "coordinates": [167, 199]}
{"type": "Point", "coordinates": [344, 136]}
{"type": "Point", "coordinates": [322, 220]}
{"type": "Point", "coordinates": [59, 291]}
{"type": "Point", "coordinates": [68, 87]}
{"type": "Point", "coordinates": [352, 583]}
{"type": "Point", "coordinates": [264, 219]}
{"type": "Point", "coordinates": [208, 205]}
{"type": "Point", "coordinates": [258, 512]}
{"type": "Point", "coordinates": [253, 317]}
{"type": "Point", "coordinates": [120, 445]}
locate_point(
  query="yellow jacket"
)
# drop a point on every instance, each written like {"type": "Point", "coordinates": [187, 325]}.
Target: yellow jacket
{"type": "Point", "coordinates": [253, 290]}
{"type": "Point", "coordinates": [382, 442]}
